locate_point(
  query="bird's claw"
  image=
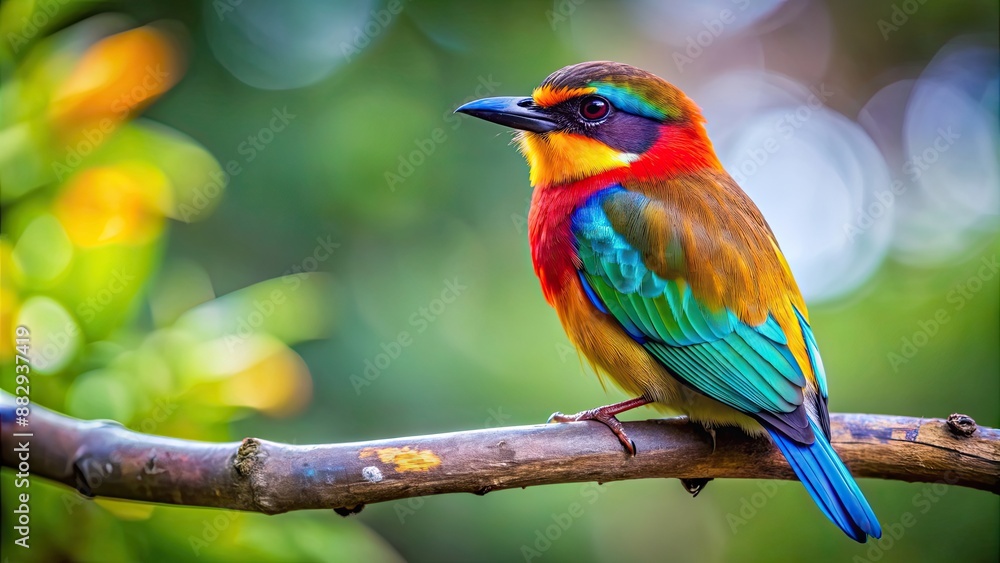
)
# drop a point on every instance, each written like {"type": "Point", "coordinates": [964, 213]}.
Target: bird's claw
{"type": "Point", "coordinates": [604, 418]}
{"type": "Point", "coordinates": [695, 486]}
{"type": "Point", "coordinates": [711, 432]}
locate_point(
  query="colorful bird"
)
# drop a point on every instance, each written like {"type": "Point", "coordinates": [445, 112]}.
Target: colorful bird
{"type": "Point", "coordinates": [665, 274]}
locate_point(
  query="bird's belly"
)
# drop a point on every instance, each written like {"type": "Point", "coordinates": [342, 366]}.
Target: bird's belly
{"type": "Point", "coordinates": [611, 351]}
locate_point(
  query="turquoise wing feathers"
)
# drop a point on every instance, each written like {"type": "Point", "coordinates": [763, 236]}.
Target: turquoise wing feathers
{"type": "Point", "coordinates": [746, 366]}
{"type": "Point", "coordinates": [749, 368]}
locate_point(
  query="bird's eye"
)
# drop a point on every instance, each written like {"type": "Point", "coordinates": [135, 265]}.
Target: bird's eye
{"type": "Point", "coordinates": [593, 108]}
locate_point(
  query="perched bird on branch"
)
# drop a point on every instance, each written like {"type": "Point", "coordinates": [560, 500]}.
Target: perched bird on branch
{"type": "Point", "coordinates": [666, 275]}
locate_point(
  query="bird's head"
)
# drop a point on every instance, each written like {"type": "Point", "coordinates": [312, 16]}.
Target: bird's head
{"type": "Point", "coordinates": [590, 118]}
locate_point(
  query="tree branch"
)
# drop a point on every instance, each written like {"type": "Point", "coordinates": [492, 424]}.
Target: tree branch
{"type": "Point", "coordinates": [105, 459]}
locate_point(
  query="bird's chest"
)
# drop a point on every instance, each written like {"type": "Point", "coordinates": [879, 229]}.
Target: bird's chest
{"type": "Point", "coordinates": [553, 248]}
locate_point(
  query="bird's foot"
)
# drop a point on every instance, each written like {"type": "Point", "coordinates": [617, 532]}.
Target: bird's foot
{"type": "Point", "coordinates": [606, 415]}
{"type": "Point", "coordinates": [609, 420]}
{"type": "Point", "coordinates": [695, 486]}
{"type": "Point", "coordinates": [711, 432]}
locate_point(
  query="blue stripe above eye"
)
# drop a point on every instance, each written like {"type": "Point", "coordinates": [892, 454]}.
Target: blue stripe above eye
{"type": "Point", "coordinates": [628, 101]}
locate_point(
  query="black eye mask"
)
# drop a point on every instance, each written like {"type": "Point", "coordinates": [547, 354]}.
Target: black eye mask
{"type": "Point", "coordinates": [621, 131]}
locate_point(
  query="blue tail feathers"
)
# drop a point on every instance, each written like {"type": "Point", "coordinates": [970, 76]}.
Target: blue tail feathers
{"type": "Point", "coordinates": [830, 484]}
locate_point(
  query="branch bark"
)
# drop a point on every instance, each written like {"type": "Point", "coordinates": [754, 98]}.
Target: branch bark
{"type": "Point", "coordinates": [101, 458]}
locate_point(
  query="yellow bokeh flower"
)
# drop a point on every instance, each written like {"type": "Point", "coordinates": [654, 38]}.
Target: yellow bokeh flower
{"type": "Point", "coordinates": [114, 80]}
{"type": "Point", "coordinates": [278, 385]}
{"type": "Point", "coordinates": [121, 204]}
{"type": "Point", "coordinates": [8, 300]}
{"type": "Point", "coordinates": [8, 308]}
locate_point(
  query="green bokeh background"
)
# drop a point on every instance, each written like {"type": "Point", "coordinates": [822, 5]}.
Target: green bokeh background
{"type": "Point", "coordinates": [497, 354]}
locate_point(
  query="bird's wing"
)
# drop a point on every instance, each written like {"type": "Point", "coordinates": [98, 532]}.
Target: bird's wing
{"type": "Point", "coordinates": [638, 263]}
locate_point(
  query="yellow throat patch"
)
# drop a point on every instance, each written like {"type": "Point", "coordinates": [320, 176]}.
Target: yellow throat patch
{"type": "Point", "coordinates": [559, 157]}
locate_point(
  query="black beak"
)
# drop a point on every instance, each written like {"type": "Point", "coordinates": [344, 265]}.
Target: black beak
{"type": "Point", "coordinates": [519, 113]}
